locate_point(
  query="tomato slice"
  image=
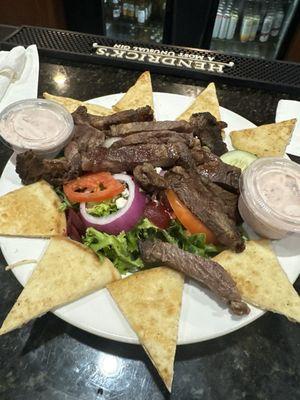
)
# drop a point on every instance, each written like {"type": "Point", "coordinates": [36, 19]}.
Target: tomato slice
{"type": "Point", "coordinates": [93, 187]}
{"type": "Point", "coordinates": [188, 219]}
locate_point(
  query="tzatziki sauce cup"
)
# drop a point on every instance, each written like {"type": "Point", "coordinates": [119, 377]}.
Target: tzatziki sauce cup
{"type": "Point", "coordinates": [36, 124]}
{"type": "Point", "coordinates": [269, 199]}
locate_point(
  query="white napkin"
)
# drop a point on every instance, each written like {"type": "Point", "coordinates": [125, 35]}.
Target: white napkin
{"type": "Point", "coordinates": [19, 74]}
{"type": "Point", "coordinates": [288, 109]}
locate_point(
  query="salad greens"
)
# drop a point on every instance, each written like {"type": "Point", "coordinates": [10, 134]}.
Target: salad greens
{"type": "Point", "coordinates": [103, 209]}
{"type": "Point", "coordinates": [65, 202]}
{"type": "Point", "coordinates": [123, 249]}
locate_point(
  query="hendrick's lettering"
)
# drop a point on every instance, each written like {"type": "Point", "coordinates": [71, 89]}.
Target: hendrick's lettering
{"type": "Point", "coordinates": [189, 60]}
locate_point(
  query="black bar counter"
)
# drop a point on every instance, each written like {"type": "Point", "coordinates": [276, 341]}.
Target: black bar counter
{"type": "Point", "coordinates": [49, 359]}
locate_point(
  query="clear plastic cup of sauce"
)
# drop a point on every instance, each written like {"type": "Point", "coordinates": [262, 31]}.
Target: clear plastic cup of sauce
{"type": "Point", "coordinates": [37, 124]}
{"type": "Point", "coordinates": [270, 197]}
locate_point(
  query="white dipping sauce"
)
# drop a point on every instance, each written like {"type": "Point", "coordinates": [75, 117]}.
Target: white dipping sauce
{"type": "Point", "coordinates": [281, 191]}
{"type": "Point", "coordinates": [33, 128]}
{"type": "Point", "coordinates": [38, 124]}
{"type": "Point", "coordinates": [270, 197]}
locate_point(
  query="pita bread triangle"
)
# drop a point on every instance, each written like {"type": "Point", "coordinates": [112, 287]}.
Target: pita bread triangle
{"type": "Point", "coordinates": [32, 211]}
{"type": "Point", "coordinates": [67, 271]}
{"type": "Point", "coordinates": [266, 140]}
{"type": "Point", "coordinates": [151, 301]}
{"type": "Point", "coordinates": [139, 95]}
{"type": "Point", "coordinates": [206, 101]}
{"type": "Point", "coordinates": [261, 279]}
{"type": "Point", "coordinates": [71, 105]}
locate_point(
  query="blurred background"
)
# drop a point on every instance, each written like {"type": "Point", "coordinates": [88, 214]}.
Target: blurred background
{"type": "Point", "coordinates": [267, 29]}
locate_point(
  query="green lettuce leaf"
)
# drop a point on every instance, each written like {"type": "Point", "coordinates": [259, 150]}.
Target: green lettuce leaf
{"type": "Point", "coordinates": [115, 248]}
{"type": "Point", "coordinates": [65, 202]}
{"type": "Point", "coordinates": [123, 249]}
{"type": "Point", "coordinates": [102, 209]}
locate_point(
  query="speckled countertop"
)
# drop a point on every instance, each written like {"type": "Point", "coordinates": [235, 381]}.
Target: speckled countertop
{"type": "Point", "coordinates": [50, 360]}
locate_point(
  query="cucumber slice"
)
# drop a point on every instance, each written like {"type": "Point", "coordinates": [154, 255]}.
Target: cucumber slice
{"type": "Point", "coordinates": [238, 158]}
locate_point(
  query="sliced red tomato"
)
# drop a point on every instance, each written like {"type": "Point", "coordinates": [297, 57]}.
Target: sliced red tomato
{"type": "Point", "coordinates": [188, 219]}
{"type": "Point", "coordinates": [93, 187]}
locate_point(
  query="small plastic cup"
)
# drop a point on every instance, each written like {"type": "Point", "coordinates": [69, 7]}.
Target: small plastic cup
{"type": "Point", "coordinates": [36, 124]}
{"type": "Point", "coordinates": [270, 197]}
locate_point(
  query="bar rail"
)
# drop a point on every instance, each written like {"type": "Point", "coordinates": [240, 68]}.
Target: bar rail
{"type": "Point", "coordinates": [165, 59]}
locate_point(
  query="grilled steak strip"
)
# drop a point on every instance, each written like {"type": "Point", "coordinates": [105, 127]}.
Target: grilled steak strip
{"type": "Point", "coordinates": [203, 270]}
{"type": "Point", "coordinates": [193, 193]}
{"type": "Point", "coordinates": [89, 134]}
{"type": "Point", "coordinates": [214, 169]}
{"type": "Point", "coordinates": [32, 168]}
{"type": "Point", "coordinates": [227, 201]}
{"type": "Point", "coordinates": [209, 131]}
{"type": "Point", "coordinates": [138, 115]}
{"type": "Point", "coordinates": [85, 139]}
{"type": "Point", "coordinates": [81, 116]}
{"type": "Point", "coordinates": [155, 137]}
{"type": "Point", "coordinates": [148, 178]}
{"type": "Point", "coordinates": [126, 158]}
{"type": "Point", "coordinates": [134, 127]}
{"type": "Point", "coordinates": [72, 154]}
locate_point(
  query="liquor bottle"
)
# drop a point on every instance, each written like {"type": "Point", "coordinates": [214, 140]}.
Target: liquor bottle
{"type": "Point", "coordinates": [125, 9]}
{"type": "Point", "coordinates": [225, 22]}
{"type": "Point", "coordinates": [131, 8]}
{"type": "Point", "coordinates": [141, 12]}
{"type": "Point", "coordinates": [264, 6]}
{"type": "Point", "coordinates": [146, 10]}
{"type": "Point", "coordinates": [267, 24]}
{"type": "Point", "coordinates": [218, 20]}
{"type": "Point", "coordinates": [116, 9]}
{"type": "Point", "coordinates": [279, 17]}
{"type": "Point", "coordinates": [246, 23]}
{"type": "Point", "coordinates": [255, 21]}
{"type": "Point", "coordinates": [234, 17]}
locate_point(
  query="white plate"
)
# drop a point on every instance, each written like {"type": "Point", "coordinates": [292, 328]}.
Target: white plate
{"type": "Point", "coordinates": [202, 317]}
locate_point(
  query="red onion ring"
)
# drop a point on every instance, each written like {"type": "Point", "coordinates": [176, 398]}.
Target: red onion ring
{"type": "Point", "coordinates": [124, 219]}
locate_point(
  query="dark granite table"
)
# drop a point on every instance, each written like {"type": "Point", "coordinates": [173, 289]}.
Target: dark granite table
{"type": "Point", "coordinates": [49, 359]}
